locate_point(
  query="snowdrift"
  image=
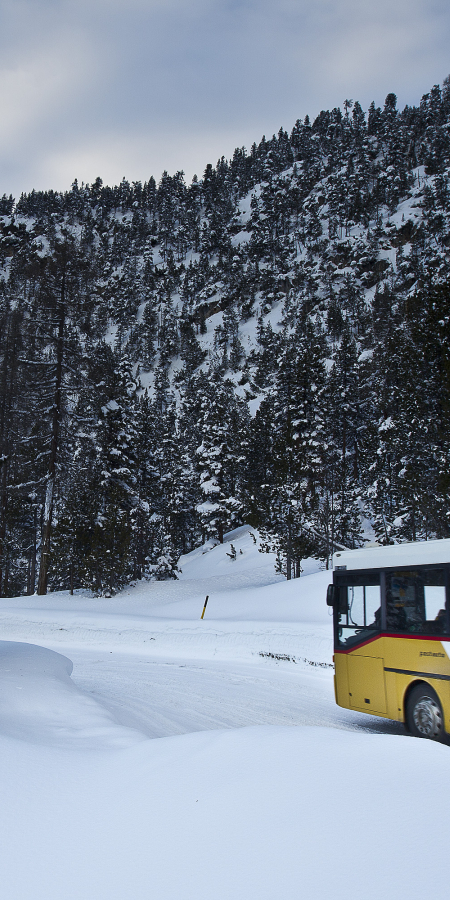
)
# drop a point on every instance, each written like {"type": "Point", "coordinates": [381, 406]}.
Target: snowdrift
{"type": "Point", "coordinates": [39, 702]}
{"type": "Point", "coordinates": [250, 813]}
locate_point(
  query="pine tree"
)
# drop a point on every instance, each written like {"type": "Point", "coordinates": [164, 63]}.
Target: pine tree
{"type": "Point", "coordinates": [219, 460]}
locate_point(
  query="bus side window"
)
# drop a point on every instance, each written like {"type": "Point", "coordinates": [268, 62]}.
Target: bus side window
{"type": "Point", "coordinates": [373, 605]}
{"type": "Point", "coordinates": [343, 601]}
{"type": "Point", "coordinates": [405, 606]}
{"type": "Point", "coordinates": [415, 602]}
{"type": "Point", "coordinates": [356, 605]}
{"type": "Point", "coordinates": [434, 600]}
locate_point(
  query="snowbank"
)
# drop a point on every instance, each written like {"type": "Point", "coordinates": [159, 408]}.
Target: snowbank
{"type": "Point", "coordinates": [250, 610]}
{"type": "Point", "coordinates": [40, 703]}
{"type": "Point", "coordinates": [251, 813]}
{"type": "Point", "coordinates": [217, 559]}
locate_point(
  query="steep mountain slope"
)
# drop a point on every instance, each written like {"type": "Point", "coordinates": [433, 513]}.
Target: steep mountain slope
{"type": "Point", "coordinates": [269, 344]}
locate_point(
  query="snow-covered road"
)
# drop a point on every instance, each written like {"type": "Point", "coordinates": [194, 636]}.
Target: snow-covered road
{"type": "Point", "coordinates": [148, 657]}
{"type": "Point", "coordinates": [175, 696]}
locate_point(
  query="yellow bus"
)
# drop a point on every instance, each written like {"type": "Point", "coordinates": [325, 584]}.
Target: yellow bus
{"type": "Point", "coordinates": [391, 613]}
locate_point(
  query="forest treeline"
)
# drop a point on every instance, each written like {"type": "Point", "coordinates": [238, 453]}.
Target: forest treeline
{"type": "Point", "coordinates": [269, 343]}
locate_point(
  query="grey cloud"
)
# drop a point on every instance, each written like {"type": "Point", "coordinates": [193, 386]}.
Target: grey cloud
{"type": "Point", "coordinates": [165, 83]}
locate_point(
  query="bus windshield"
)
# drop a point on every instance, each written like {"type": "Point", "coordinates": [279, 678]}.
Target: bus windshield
{"type": "Point", "coordinates": [359, 611]}
{"type": "Point", "coordinates": [415, 604]}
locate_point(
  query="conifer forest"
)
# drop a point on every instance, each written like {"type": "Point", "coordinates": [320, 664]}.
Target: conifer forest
{"type": "Point", "coordinates": [268, 344]}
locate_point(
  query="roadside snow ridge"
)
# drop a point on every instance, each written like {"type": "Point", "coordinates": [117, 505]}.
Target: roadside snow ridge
{"type": "Point", "coordinates": [39, 703]}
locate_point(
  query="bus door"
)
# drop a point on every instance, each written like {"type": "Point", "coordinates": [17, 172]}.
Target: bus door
{"type": "Point", "coordinates": [359, 623]}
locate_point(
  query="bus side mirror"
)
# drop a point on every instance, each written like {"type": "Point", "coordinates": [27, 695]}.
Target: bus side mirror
{"type": "Point", "coordinates": [331, 595]}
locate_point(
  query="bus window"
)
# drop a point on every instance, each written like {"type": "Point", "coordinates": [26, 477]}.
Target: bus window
{"type": "Point", "coordinates": [358, 613]}
{"type": "Point", "coordinates": [373, 603]}
{"type": "Point", "coordinates": [434, 601]}
{"type": "Point", "coordinates": [415, 602]}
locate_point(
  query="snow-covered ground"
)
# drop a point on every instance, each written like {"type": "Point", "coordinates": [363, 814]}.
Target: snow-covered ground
{"type": "Point", "coordinates": [256, 786]}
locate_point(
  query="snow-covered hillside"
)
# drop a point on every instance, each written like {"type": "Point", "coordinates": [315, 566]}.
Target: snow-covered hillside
{"type": "Point", "coordinates": [269, 344]}
{"type": "Point", "coordinates": [255, 786]}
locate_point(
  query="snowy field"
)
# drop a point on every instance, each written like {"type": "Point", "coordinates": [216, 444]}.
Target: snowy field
{"type": "Point", "coordinates": [182, 760]}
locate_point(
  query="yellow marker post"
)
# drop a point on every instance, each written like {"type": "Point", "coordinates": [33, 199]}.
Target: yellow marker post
{"type": "Point", "coordinates": [203, 613]}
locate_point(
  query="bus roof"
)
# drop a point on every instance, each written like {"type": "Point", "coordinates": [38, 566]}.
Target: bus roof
{"type": "Point", "coordinates": [417, 553]}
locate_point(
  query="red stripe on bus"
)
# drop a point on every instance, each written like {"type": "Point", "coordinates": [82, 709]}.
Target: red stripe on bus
{"type": "Point", "coordinates": [384, 634]}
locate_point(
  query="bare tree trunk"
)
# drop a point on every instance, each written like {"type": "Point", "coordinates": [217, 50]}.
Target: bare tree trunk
{"type": "Point", "coordinates": [289, 555]}
{"type": "Point", "coordinates": [32, 580]}
{"type": "Point", "coordinates": [3, 506]}
{"type": "Point", "coordinates": [54, 447]}
{"type": "Point", "coordinates": [8, 390]}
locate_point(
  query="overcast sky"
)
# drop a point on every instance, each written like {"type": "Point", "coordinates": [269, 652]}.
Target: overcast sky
{"type": "Point", "coordinates": [131, 87]}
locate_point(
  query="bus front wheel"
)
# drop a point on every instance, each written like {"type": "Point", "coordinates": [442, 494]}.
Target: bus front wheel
{"type": "Point", "coordinates": [424, 713]}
